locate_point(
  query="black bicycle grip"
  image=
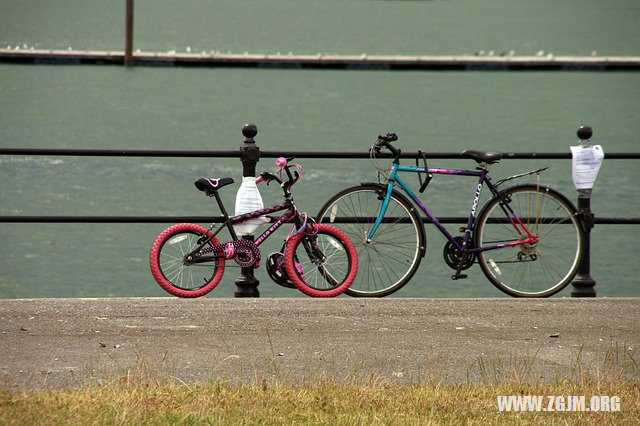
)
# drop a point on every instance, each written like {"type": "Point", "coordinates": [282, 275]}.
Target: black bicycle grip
{"type": "Point", "coordinates": [386, 142]}
{"type": "Point", "coordinates": [268, 177]}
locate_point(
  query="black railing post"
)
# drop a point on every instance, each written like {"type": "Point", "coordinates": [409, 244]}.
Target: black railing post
{"type": "Point", "coordinates": [128, 34]}
{"type": "Point", "coordinates": [583, 283]}
{"type": "Point", "coordinates": [247, 283]}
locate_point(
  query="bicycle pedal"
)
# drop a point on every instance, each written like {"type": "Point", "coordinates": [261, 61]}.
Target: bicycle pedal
{"type": "Point", "coordinates": [458, 277]}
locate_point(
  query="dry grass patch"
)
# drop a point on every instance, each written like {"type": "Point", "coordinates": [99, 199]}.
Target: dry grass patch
{"type": "Point", "coordinates": [147, 394]}
{"type": "Point", "coordinates": [321, 401]}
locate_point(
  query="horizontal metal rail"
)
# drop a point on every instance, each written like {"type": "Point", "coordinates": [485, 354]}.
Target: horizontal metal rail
{"type": "Point", "coordinates": [209, 219]}
{"type": "Point", "coordinates": [296, 154]}
{"type": "Point", "coordinates": [265, 154]}
{"type": "Point", "coordinates": [319, 61]}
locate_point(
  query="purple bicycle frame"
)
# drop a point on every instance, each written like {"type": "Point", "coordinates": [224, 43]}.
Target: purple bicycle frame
{"type": "Point", "coordinates": [482, 179]}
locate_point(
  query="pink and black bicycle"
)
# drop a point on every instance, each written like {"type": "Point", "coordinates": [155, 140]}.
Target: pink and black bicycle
{"type": "Point", "coordinates": [188, 260]}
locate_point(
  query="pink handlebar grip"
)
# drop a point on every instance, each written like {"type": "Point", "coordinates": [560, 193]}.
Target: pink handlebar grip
{"type": "Point", "coordinates": [259, 179]}
{"type": "Point", "coordinates": [281, 162]}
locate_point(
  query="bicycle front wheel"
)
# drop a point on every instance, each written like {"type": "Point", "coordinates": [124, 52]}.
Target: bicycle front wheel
{"type": "Point", "coordinates": [321, 265]}
{"type": "Point", "coordinates": [177, 274]}
{"type": "Point", "coordinates": [530, 270]}
{"type": "Point", "coordinates": [391, 258]}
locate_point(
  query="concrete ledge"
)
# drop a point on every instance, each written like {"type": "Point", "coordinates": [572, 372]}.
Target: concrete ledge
{"type": "Point", "coordinates": [208, 59]}
{"type": "Point", "coordinates": [75, 342]}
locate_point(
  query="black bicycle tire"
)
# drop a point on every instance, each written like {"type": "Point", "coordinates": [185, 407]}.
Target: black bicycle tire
{"type": "Point", "coordinates": [560, 198]}
{"type": "Point", "coordinates": [415, 219]}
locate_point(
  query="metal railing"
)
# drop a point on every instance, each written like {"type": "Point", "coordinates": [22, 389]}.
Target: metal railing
{"type": "Point", "coordinates": [265, 154]}
{"type": "Point", "coordinates": [246, 284]}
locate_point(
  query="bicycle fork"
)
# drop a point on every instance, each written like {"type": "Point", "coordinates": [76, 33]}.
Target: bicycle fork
{"type": "Point", "coordinates": [383, 210]}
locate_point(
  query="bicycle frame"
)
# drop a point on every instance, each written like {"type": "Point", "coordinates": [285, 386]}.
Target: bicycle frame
{"type": "Point", "coordinates": [482, 179]}
{"type": "Point", "coordinates": [230, 221]}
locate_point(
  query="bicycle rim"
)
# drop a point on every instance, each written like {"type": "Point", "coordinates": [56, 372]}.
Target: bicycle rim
{"type": "Point", "coordinates": [390, 260]}
{"type": "Point", "coordinates": [321, 265]}
{"type": "Point", "coordinates": [184, 278]}
{"type": "Point", "coordinates": [538, 270]}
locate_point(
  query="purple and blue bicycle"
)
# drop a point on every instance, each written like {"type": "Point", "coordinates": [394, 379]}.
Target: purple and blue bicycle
{"type": "Point", "coordinates": [527, 238]}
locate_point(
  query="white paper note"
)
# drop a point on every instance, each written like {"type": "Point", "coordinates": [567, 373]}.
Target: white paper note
{"type": "Point", "coordinates": [586, 161]}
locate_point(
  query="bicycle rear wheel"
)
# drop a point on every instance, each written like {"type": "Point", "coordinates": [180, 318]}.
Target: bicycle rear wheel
{"type": "Point", "coordinates": [530, 270]}
{"type": "Point", "coordinates": [390, 260]}
{"type": "Point", "coordinates": [174, 272]}
{"type": "Point", "coordinates": [321, 265]}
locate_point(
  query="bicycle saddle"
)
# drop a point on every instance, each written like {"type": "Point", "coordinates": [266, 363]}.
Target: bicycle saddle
{"type": "Point", "coordinates": [482, 156]}
{"type": "Point", "coordinates": [211, 185]}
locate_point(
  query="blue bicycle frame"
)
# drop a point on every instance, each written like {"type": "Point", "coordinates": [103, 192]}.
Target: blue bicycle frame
{"type": "Point", "coordinates": [482, 179]}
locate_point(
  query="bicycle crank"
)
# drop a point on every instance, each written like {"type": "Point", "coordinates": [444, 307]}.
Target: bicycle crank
{"type": "Point", "coordinates": [452, 256]}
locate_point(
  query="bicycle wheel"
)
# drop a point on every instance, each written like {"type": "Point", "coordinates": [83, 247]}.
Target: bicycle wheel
{"type": "Point", "coordinates": [178, 275]}
{"type": "Point", "coordinates": [389, 261]}
{"type": "Point", "coordinates": [321, 265]}
{"type": "Point", "coordinates": [530, 270]}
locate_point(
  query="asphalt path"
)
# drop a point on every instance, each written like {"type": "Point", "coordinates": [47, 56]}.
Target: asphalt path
{"type": "Point", "coordinates": [81, 342]}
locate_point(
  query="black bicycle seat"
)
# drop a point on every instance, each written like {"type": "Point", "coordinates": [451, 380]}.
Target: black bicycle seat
{"type": "Point", "coordinates": [212, 184]}
{"type": "Point", "coordinates": [482, 156]}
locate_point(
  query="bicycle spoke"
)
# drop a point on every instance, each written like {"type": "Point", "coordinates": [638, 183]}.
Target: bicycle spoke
{"type": "Point", "coordinates": [392, 257]}
{"type": "Point", "coordinates": [178, 274]}
{"type": "Point", "coordinates": [531, 269]}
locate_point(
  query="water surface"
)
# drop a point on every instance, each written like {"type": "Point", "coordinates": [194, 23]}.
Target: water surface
{"type": "Point", "coordinates": [200, 109]}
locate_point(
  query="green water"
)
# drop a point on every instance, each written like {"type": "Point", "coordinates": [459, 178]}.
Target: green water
{"type": "Point", "coordinates": [440, 27]}
{"type": "Point", "coordinates": [194, 109]}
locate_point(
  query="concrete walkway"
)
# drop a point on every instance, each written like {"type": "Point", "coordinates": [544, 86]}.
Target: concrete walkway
{"type": "Point", "coordinates": [75, 342]}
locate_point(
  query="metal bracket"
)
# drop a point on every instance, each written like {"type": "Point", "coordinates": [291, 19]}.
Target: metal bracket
{"type": "Point", "coordinates": [587, 219]}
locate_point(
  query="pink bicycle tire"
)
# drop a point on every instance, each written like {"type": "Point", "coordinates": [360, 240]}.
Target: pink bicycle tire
{"type": "Point", "coordinates": [294, 275]}
{"type": "Point", "coordinates": [159, 276]}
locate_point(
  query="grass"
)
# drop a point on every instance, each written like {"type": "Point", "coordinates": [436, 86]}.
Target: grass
{"type": "Point", "coordinates": [316, 402]}
{"type": "Point", "coordinates": [148, 394]}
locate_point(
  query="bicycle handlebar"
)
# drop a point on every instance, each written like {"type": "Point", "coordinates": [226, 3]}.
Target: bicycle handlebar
{"type": "Point", "coordinates": [385, 141]}
{"type": "Point", "coordinates": [268, 177]}
{"type": "Point", "coordinates": [283, 164]}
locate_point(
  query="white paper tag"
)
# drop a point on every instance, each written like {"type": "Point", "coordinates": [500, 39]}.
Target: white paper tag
{"type": "Point", "coordinates": [585, 163]}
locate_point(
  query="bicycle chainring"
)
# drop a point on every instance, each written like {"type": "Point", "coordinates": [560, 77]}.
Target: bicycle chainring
{"type": "Point", "coordinates": [452, 256]}
{"type": "Point", "coordinates": [245, 252]}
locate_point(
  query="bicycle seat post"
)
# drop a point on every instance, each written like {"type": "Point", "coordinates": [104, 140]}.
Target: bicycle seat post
{"type": "Point", "coordinates": [247, 283]}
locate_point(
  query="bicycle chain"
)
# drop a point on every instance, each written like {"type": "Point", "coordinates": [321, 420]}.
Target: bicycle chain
{"type": "Point", "coordinates": [243, 252]}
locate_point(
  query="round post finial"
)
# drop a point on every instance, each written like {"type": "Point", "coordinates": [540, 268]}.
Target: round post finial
{"type": "Point", "coordinates": [249, 131]}
{"type": "Point", "coordinates": [584, 133]}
